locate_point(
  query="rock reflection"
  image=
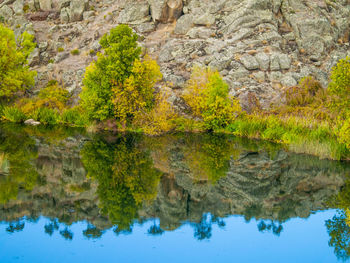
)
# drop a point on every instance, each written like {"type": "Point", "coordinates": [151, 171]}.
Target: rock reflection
{"type": "Point", "coordinates": [113, 182]}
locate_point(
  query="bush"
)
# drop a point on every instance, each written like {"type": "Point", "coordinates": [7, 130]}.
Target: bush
{"type": "Point", "coordinates": [304, 93]}
{"type": "Point", "coordinates": [52, 97]}
{"type": "Point", "coordinates": [14, 72]}
{"type": "Point", "coordinates": [208, 96]}
{"type": "Point", "coordinates": [75, 52]}
{"type": "Point", "coordinates": [111, 69]}
{"type": "Point", "coordinates": [160, 119]}
{"type": "Point", "coordinates": [13, 114]}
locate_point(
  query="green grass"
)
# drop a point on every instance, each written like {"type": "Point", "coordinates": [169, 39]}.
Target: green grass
{"type": "Point", "coordinates": [13, 114]}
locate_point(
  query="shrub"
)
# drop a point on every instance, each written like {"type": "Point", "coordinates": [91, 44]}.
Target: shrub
{"type": "Point", "coordinates": [304, 93]}
{"type": "Point", "coordinates": [52, 97]}
{"type": "Point", "coordinates": [160, 119]}
{"type": "Point", "coordinates": [60, 49]}
{"type": "Point", "coordinates": [111, 69]}
{"type": "Point", "coordinates": [75, 52]}
{"type": "Point", "coordinates": [14, 72]}
{"type": "Point", "coordinates": [208, 96]}
{"type": "Point", "coordinates": [13, 114]}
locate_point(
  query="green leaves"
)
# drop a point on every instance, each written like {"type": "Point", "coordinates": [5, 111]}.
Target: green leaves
{"type": "Point", "coordinates": [119, 84]}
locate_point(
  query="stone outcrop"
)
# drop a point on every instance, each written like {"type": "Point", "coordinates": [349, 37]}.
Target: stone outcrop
{"type": "Point", "coordinates": [259, 46]}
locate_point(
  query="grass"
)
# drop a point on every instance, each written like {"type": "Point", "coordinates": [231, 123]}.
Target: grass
{"type": "Point", "coordinates": [13, 114]}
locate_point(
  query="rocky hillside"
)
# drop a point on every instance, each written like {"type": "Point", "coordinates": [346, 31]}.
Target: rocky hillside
{"type": "Point", "coordinates": [259, 46]}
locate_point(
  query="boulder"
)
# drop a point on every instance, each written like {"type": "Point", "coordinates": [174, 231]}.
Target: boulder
{"type": "Point", "coordinates": [6, 12]}
{"type": "Point", "coordinates": [77, 8]}
{"type": "Point", "coordinates": [72, 11]}
{"type": "Point", "coordinates": [184, 24]}
{"type": "Point", "coordinates": [45, 5]}
{"type": "Point", "coordinates": [263, 60]}
{"type": "Point", "coordinates": [31, 122]}
{"type": "Point", "coordinates": [64, 16]}
{"type": "Point", "coordinates": [205, 20]}
{"type": "Point", "coordinates": [165, 11]}
{"type": "Point", "coordinates": [288, 81]}
{"type": "Point", "coordinates": [34, 58]}
{"type": "Point", "coordinates": [249, 62]}
{"type": "Point", "coordinates": [18, 7]}
{"type": "Point", "coordinates": [134, 12]}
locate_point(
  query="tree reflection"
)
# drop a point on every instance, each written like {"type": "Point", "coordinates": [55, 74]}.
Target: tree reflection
{"type": "Point", "coordinates": [203, 229]}
{"type": "Point", "coordinates": [125, 174]}
{"type": "Point", "coordinates": [338, 227]}
{"type": "Point", "coordinates": [15, 227]}
{"type": "Point", "coordinates": [51, 227]}
{"type": "Point", "coordinates": [92, 232]}
{"type": "Point", "coordinates": [208, 156]}
{"type": "Point", "coordinates": [155, 230]}
{"type": "Point", "coordinates": [17, 153]}
{"type": "Point", "coordinates": [275, 227]}
{"type": "Point", "coordinates": [67, 234]}
{"type": "Point", "coordinates": [339, 232]}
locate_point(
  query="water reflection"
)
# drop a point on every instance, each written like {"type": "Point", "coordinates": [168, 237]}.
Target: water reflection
{"type": "Point", "coordinates": [115, 181]}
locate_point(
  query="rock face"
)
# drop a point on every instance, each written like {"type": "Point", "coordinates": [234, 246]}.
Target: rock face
{"type": "Point", "coordinates": [259, 46]}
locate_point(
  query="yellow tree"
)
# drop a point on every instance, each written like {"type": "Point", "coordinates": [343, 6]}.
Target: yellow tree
{"type": "Point", "coordinates": [14, 70]}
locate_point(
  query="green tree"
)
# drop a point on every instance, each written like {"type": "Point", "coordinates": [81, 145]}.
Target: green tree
{"type": "Point", "coordinates": [119, 84]}
{"type": "Point", "coordinates": [14, 70]}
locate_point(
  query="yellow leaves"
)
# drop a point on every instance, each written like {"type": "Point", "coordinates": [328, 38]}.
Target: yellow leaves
{"type": "Point", "coordinates": [160, 119]}
{"type": "Point", "coordinates": [207, 95]}
{"type": "Point", "coordinates": [135, 95]}
{"type": "Point", "coordinates": [52, 97]}
{"type": "Point", "coordinates": [344, 133]}
{"type": "Point", "coordinates": [14, 71]}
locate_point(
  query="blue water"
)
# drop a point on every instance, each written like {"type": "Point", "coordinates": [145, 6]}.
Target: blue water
{"type": "Point", "coordinates": [302, 240]}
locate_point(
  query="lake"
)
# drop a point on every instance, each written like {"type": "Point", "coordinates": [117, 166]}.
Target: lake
{"type": "Point", "coordinates": [71, 196]}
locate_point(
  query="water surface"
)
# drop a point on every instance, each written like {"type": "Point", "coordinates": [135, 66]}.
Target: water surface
{"type": "Point", "coordinates": [69, 196]}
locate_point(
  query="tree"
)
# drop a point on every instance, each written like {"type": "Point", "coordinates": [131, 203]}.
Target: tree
{"type": "Point", "coordinates": [14, 70]}
{"type": "Point", "coordinates": [119, 83]}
